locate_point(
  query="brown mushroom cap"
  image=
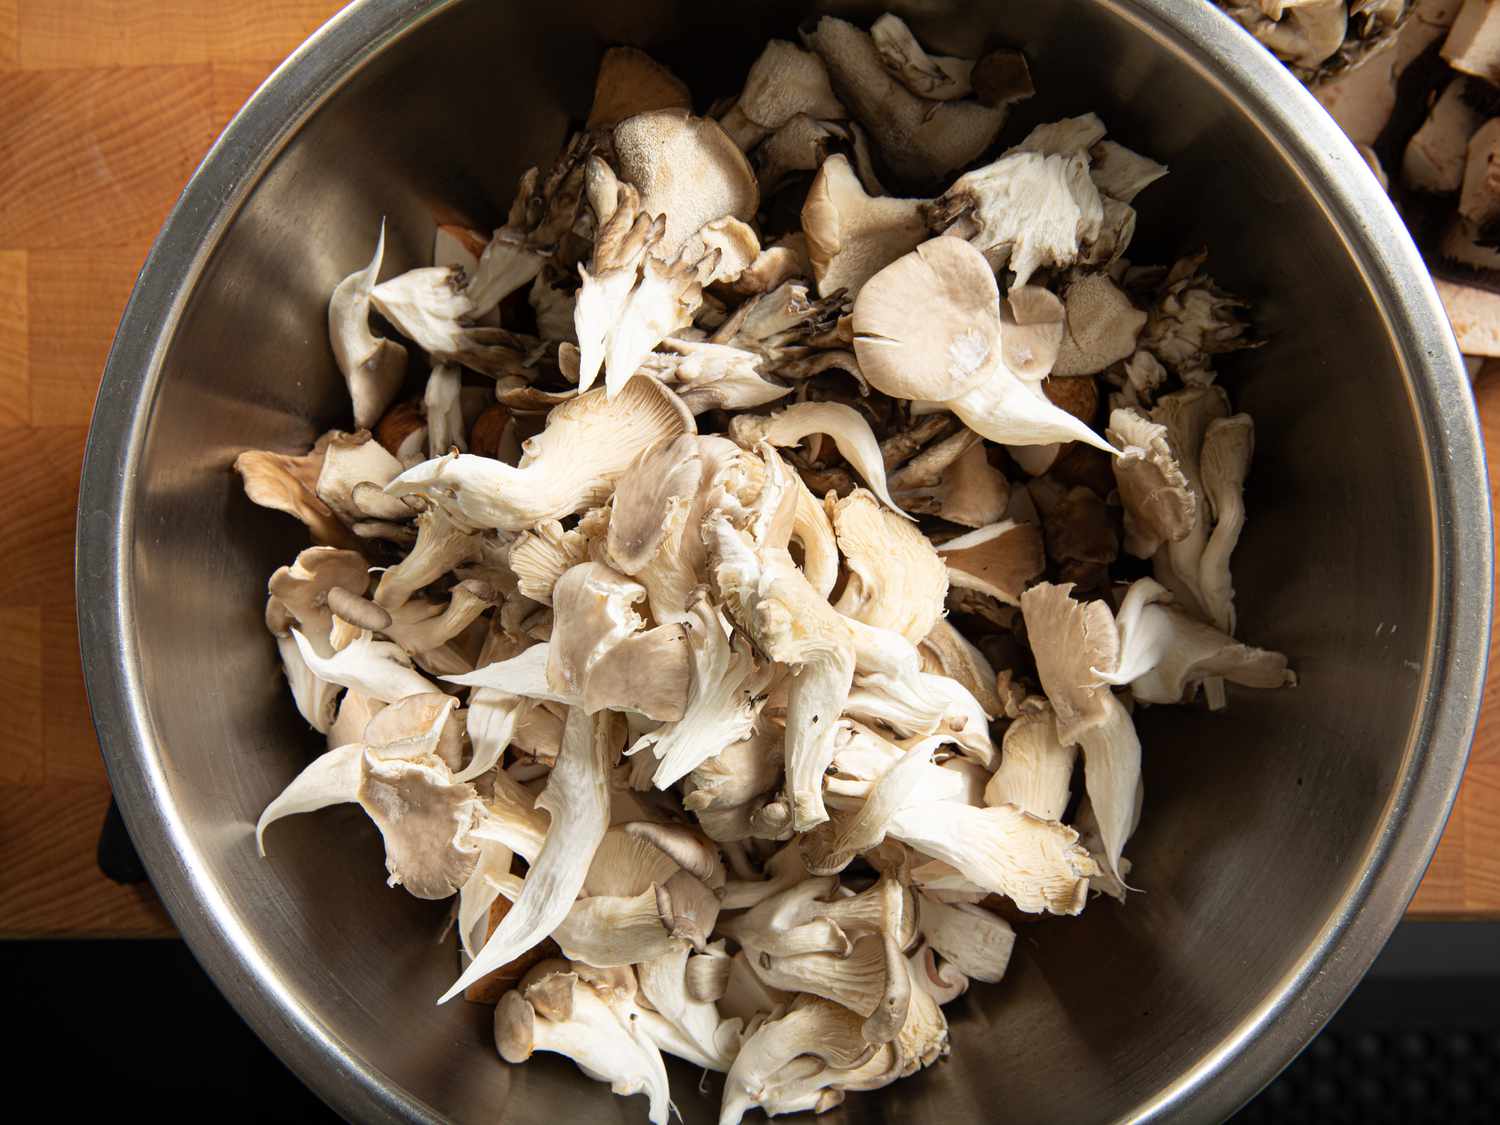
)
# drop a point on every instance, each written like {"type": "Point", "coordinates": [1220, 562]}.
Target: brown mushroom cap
{"type": "Point", "coordinates": [997, 560]}
{"type": "Point", "coordinates": [631, 82]}
{"type": "Point", "coordinates": [928, 325]}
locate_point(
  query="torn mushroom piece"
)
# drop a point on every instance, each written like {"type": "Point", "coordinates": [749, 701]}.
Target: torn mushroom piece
{"type": "Point", "coordinates": [571, 465]}
{"type": "Point", "coordinates": [851, 235]}
{"type": "Point", "coordinates": [918, 138]}
{"type": "Point", "coordinates": [784, 82]}
{"type": "Point", "coordinates": [1160, 505]}
{"type": "Point", "coordinates": [954, 480]}
{"type": "Point", "coordinates": [896, 580]}
{"type": "Point", "coordinates": [848, 428]}
{"type": "Point", "coordinates": [928, 327]}
{"type": "Point", "coordinates": [998, 560]}
{"type": "Point", "coordinates": [373, 367]}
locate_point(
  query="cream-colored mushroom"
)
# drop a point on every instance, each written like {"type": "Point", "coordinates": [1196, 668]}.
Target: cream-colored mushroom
{"type": "Point", "coordinates": [1026, 210]}
{"type": "Point", "coordinates": [848, 428]}
{"type": "Point", "coordinates": [602, 654]}
{"type": "Point", "coordinates": [998, 560]}
{"type": "Point", "coordinates": [373, 367]}
{"type": "Point", "coordinates": [349, 461]}
{"type": "Point", "coordinates": [852, 236]}
{"type": "Point", "coordinates": [723, 700]}
{"type": "Point", "coordinates": [783, 82]}
{"type": "Point", "coordinates": [947, 652]}
{"type": "Point", "coordinates": [571, 465]}
{"type": "Point", "coordinates": [1121, 173]}
{"type": "Point", "coordinates": [443, 543]}
{"type": "Point", "coordinates": [1160, 505]}
{"type": "Point", "coordinates": [577, 798]}
{"type": "Point", "coordinates": [1074, 643]}
{"type": "Point", "coordinates": [919, 139]}
{"type": "Point", "coordinates": [1036, 767]}
{"type": "Point", "coordinates": [895, 579]}
{"type": "Point", "coordinates": [953, 479]}
{"type": "Point", "coordinates": [560, 1013]}
{"type": "Point", "coordinates": [288, 483]}
{"type": "Point", "coordinates": [937, 77]}
{"type": "Point", "coordinates": [1165, 654]}
{"type": "Point", "coordinates": [1102, 326]}
{"type": "Point", "coordinates": [975, 941]}
{"type": "Point", "coordinates": [928, 327]}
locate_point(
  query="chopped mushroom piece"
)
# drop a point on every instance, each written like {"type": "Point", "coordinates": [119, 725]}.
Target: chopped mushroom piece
{"type": "Point", "coordinates": [998, 560]}
{"type": "Point", "coordinates": [784, 82]}
{"type": "Point", "coordinates": [896, 580]}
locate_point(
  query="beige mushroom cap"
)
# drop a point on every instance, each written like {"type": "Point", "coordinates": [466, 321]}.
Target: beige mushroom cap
{"type": "Point", "coordinates": [998, 560]}
{"type": "Point", "coordinates": [687, 170]}
{"type": "Point", "coordinates": [1034, 327]}
{"type": "Point", "coordinates": [927, 326]}
{"type": "Point", "coordinates": [1102, 326]}
{"type": "Point", "coordinates": [852, 236]}
{"type": "Point", "coordinates": [896, 580]}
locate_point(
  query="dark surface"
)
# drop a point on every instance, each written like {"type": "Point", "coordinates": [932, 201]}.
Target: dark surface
{"type": "Point", "coordinates": [144, 1032]}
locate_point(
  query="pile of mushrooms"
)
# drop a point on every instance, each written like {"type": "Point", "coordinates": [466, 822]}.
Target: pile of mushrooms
{"type": "Point", "coordinates": [1416, 85]}
{"type": "Point", "coordinates": [743, 615]}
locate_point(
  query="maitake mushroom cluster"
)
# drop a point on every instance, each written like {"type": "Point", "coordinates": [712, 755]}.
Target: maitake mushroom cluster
{"type": "Point", "coordinates": [723, 621]}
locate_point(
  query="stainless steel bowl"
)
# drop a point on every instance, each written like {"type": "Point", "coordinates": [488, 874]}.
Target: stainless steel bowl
{"type": "Point", "coordinates": [1282, 839]}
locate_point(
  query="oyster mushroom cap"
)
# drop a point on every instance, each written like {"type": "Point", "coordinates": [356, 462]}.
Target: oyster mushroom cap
{"type": "Point", "coordinates": [1160, 506]}
{"type": "Point", "coordinates": [288, 483]}
{"type": "Point", "coordinates": [571, 465]}
{"type": "Point", "coordinates": [852, 236]}
{"type": "Point", "coordinates": [687, 169]}
{"type": "Point", "coordinates": [1033, 328]}
{"type": "Point", "coordinates": [1026, 210]}
{"type": "Point", "coordinates": [783, 82]}
{"type": "Point", "coordinates": [1036, 767]}
{"type": "Point", "coordinates": [424, 818]}
{"type": "Point", "coordinates": [351, 460]}
{"type": "Point", "coordinates": [954, 479]}
{"type": "Point", "coordinates": [937, 77]}
{"type": "Point", "coordinates": [374, 368]}
{"type": "Point", "coordinates": [1102, 326]}
{"type": "Point", "coordinates": [998, 560]}
{"type": "Point", "coordinates": [601, 653]}
{"type": "Point", "coordinates": [303, 589]}
{"type": "Point", "coordinates": [947, 652]}
{"type": "Point", "coordinates": [975, 941]}
{"type": "Point", "coordinates": [1121, 173]}
{"type": "Point", "coordinates": [896, 580]}
{"type": "Point", "coordinates": [442, 544]}
{"type": "Point", "coordinates": [724, 697]}
{"type": "Point", "coordinates": [928, 327]}
{"type": "Point", "coordinates": [919, 139]}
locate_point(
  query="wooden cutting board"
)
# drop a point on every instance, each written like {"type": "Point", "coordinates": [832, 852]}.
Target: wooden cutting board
{"type": "Point", "coordinates": [105, 108]}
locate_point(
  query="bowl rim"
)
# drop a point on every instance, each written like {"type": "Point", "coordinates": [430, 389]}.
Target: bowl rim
{"type": "Point", "coordinates": [1246, 1058]}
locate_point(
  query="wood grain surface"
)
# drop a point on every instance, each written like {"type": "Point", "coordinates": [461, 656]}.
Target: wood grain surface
{"type": "Point", "coordinates": [105, 108]}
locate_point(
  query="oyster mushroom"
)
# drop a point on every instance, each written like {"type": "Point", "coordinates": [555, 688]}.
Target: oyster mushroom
{"type": "Point", "coordinates": [918, 139]}
{"type": "Point", "coordinates": [373, 367]}
{"type": "Point", "coordinates": [998, 560]}
{"type": "Point", "coordinates": [288, 483]}
{"type": "Point", "coordinates": [937, 77]}
{"type": "Point", "coordinates": [571, 465]}
{"type": "Point", "coordinates": [631, 82]}
{"type": "Point", "coordinates": [1160, 505]}
{"type": "Point", "coordinates": [973, 940]}
{"type": "Point", "coordinates": [1036, 767]}
{"type": "Point", "coordinates": [850, 432]}
{"type": "Point", "coordinates": [1026, 210]}
{"type": "Point", "coordinates": [954, 480]}
{"type": "Point", "coordinates": [1120, 173]}
{"type": "Point", "coordinates": [349, 461]}
{"type": "Point", "coordinates": [895, 580]}
{"type": "Point", "coordinates": [562, 1014]}
{"type": "Point", "coordinates": [928, 327]}
{"type": "Point", "coordinates": [852, 236]}
{"type": "Point", "coordinates": [783, 82]}
{"type": "Point", "coordinates": [1102, 326]}
{"type": "Point", "coordinates": [945, 651]}
{"type": "Point", "coordinates": [725, 697]}
{"type": "Point", "coordinates": [577, 798]}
